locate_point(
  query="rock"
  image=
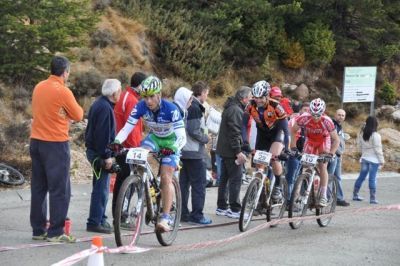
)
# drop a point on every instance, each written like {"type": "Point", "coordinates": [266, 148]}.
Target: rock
{"type": "Point", "coordinates": [302, 92]}
{"type": "Point", "coordinates": [391, 135]}
{"type": "Point", "coordinates": [396, 116]}
{"type": "Point", "coordinates": [385, 111]}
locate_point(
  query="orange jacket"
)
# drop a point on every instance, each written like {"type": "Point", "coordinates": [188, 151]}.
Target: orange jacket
{"type": "Point", "coordinates": [53, 106]}
{"type": "Point", "coordinates": [122, 110]}
{"type": "Point", "coordinates": [271, 115]}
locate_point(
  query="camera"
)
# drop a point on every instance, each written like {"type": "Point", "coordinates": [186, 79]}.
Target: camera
{"type": "Point", "coordinates": [100, 164]}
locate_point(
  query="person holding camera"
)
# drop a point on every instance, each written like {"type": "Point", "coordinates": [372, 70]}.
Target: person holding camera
{"type": "Point", "coordinates": [99, 133]}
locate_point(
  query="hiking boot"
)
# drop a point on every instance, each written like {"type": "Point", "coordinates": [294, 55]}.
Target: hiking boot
{"type": "Point", "coordinates": [40, 237]}
{"type": "Point", "coordinates": [165, 223]}
{"type": "Point", "coordinates": [62, 239]}
{"type": "Point", "coordinates": [356, 197]}
{"type": "Point", "coordinates": [203, 221]}
{"type": "Point", "coordinates": [232, 214]}
{"type": "Point", "coordinates": [342, 203]}
{"type": "Point", "coordinates": [103, 229]}
{"type": "Point", "coordinates": [221, 212]}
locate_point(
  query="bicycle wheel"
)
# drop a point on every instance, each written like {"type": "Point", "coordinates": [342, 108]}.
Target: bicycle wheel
{"type": "Point", "coordinates": [249, 203]}
{"type": "Point", "coordinates": [330, 208]}
{"type": "Point", "coordinates": [167, 238]}
{"type": "Point", "coordinates": [299, 201]}
{"type": "Point", "coordinates": [277, 209]}
{"type": "Point", "coordinates": [128, 217]}
{"type": "Point", "coordinates": [10, 176]}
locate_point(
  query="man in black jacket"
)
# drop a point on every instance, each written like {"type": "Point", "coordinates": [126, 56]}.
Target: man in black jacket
{"type": "Point", "coordinates": [230, 147]}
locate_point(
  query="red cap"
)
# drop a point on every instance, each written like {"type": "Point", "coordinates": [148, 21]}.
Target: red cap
{"type": "Point", "coordinates": [275, 92]}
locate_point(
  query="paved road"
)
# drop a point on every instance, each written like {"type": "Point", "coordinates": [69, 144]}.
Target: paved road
{"type": "Point", "coordinates": [369, 238]}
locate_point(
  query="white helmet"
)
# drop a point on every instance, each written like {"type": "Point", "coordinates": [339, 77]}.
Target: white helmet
{"type": "Point", "coordinates": [317, 107]}
{"type": "Point", "coordinates": [260, 88]}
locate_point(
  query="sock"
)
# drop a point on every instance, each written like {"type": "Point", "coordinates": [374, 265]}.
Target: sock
{"type": "Point", "coordinates": [277, 180]}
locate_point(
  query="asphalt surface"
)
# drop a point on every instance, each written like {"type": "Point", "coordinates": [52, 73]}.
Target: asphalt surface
{"type": "Point", "coordinates": [370, 237]}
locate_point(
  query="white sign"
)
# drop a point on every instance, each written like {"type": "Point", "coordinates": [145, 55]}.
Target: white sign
{"type": "Point", "coordinates": [137, 156]}
{"type": "Point", "coordinates": [309, 159]}
{"type": "Point", "coordinates": [359, 84]}
{"type": "Point", "coordinates": [262, 157]}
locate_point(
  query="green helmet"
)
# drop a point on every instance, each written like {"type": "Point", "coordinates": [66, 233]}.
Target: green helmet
{"type": "Point", "coordinates": [150, 86]}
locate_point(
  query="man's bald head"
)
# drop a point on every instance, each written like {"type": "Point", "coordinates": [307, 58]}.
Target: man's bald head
{"type": "Point", "coordinates": [340, 115]}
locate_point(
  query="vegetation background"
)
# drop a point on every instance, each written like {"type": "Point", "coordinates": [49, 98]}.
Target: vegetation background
{"type": "Point", "coordinates": [226, 43]}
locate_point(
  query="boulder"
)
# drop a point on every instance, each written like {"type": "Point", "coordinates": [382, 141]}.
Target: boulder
{"type": "Point", "coordinates": [302, 92]}
{"type": "Point", "coordinates": [396, 116]}
{"type": "Point", "coordinates": [385, 111]}
{"type": "Point", "coordinates": [391, 135]}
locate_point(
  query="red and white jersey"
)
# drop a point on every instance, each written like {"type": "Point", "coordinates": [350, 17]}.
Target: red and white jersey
{"type": "Point", "coordinates": [315, 131]}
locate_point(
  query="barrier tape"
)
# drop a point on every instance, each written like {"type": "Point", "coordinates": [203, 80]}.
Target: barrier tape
{"type": "Point", "coordinates": [212, 243]}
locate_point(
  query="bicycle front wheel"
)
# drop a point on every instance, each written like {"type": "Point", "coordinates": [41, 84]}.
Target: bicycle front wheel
{"type": "Point", "coordinates": [330, 208]}
{"type": "Point", "coordinates": [249, 203]}
{"type": "Point", "coordinates": [128, 217]}
{"type": "Point", "coordinates": [167, 238]}
{"type": "Point", "coordinates": [10, 176]}
{"type": "Point", "coordinates": [299, 201]}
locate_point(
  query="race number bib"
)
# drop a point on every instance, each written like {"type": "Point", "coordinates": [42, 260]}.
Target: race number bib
{"type": "Point", "coordinates": [262, 157]}
{"type": "Point", "coordinates": [137, 156]}
{"type": "Point", "coordinates": [309, 159]}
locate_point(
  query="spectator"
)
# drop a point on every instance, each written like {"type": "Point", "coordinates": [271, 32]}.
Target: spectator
{"type": "Point", "coordinates": [123, 108]}
{"type": "Point", "coordinates": [53, 106]}
{"type": "Point", "coordinates": [371, 159]}
{"type": "Point", "coordinates": [183, 99]}
{"type": "Point", "coordinates": [230, 148]}
{"type": "Point", "coordinates": [335, 167]}
{"type": "Point", "coordinates": [99, 133]}
{"type": "Point", "coordinates": [193, 172]}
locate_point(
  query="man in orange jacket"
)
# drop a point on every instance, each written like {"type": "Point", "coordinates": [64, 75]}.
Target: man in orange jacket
{"type": "Point", "coordinates": [123, 108]}
{"type": "Point", "coordinates": [53, 107]}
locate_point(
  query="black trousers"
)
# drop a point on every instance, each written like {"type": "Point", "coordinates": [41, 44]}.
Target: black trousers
{"type": "Point", "coordinates": [231, 176]}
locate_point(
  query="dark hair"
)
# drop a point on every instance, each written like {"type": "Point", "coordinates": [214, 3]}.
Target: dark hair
{"type": "Point", "coordinates": [371, 126]}
{"type": "Point", "coordinates": [199, 87]}
{"type": "Point", "coordinates": [58, 65]}
{"type": "Point", "coordinates": [137, 78]}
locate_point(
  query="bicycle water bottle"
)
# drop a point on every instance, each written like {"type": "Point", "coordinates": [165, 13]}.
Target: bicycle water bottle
{"type": "Point", "coordinates": [316, 184]}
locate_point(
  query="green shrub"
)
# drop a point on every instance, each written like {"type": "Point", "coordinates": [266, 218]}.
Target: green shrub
{"type": "Point", "coordinates": [87, 83]}
{"type": "Point", "coordinates": [295, 56]}
{"type": "Point", "coordinates": [101, 38]}
{"type": "Point", "coordinates": [388, 93]}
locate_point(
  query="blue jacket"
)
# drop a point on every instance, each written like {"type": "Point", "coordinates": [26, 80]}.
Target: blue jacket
{"type": "Point", "coordinates": [100, 130]}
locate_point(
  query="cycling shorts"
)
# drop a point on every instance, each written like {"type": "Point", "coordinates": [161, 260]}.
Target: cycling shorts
{"type": "Point", "coordinates": [265, 139]}
{"type": "Point", "coordinates": [154, 143]}
{"type": "Point", "coordinates": [317, 147]}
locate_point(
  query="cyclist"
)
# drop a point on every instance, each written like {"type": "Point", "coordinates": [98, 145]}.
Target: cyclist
{"type": "Point", "coordinates": [167, 136]}
{"type": "Point", "coordinates": [272, 127]}
{"type": "Point", "coordinates": [321, 138]}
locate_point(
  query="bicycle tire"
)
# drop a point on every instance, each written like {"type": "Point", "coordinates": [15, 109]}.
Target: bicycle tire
{"type": "Point", "coordinates": [332, 197]}
{"type": "Point", "coordinates": [167, 238]}
{"type": "Point", "coordinates": [130, 193]}
{"type": "Point", "coordinates": [10, 175]}
{"type": "Point", "coordinates": [249, 204]}
{"type": "Point", "coordinates": [297, 208]}
{"type": "Point", "coordinates": [281, 208]}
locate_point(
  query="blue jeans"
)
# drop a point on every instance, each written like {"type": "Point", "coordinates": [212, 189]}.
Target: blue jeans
{"type": "Point", "coordinates": [218, 161]}
{"type": "Point", "coordinates": [293, 168]}
{"type": "Point", "coordinates": [99, 196]}
{"type": "Point", "coordinates": [335, 168]}
{"type": "Point", "coordinates": [367, 168]}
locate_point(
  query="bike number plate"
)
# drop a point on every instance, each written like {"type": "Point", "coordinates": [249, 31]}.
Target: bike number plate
{"type": "Point", "coordinates": [137, 156]}
{"type": "Point", "coordinates": [309, 159]}
{"type": "Point", "coordinates": [262, 157]}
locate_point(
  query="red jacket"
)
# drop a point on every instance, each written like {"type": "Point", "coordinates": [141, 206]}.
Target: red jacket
{"type": "Point", "coordinates": [123, 108]}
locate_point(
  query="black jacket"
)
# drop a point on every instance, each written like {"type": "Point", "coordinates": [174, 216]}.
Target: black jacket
{"type": "Point", "coordinates": [230, 139]}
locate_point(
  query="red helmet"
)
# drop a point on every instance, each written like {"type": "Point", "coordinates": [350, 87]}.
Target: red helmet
{"type": "Point", "coordinates": [275, 92]}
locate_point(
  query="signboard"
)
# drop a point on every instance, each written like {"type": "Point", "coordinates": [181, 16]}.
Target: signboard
{"type": "Point", "coordinates": [359, 84]}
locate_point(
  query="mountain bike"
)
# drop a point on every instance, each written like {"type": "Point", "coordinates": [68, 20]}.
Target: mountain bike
{"type": "Point", "coordinates": [10, 176]}
{"type": "Point", "coordinates": [258, 195]}
{"type": "Point", "coordinates": [139, 201]}
{"type": "Point", "coordinates": [305, 194]}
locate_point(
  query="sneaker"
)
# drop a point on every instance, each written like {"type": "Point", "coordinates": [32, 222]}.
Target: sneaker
{"type": "Point", "coordinates": [276, 193]}
{"type": "Point", "coordinates": [203, 221]}
{"type": "Point", "coordinates": [164, 223]}
{"type": "Point", "coordinates": [40, 237]}
{"type": "Point", "coordinates": [129, 226]}
{"type": "Point", "coordinates": [342, 203]}
{"type": "Point", "coordinates": [103, 229]}
{"type": "Point", "coordinates": [323, 202]}
{"type": "Point", "coordinates": [232, 214]}
{"type": "Point", "coordinates": [62, 239]}
{"type": "Point", "coordinates": [221, 212]}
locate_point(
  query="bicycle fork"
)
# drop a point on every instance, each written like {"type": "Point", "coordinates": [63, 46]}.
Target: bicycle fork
{"type": "Point", "coordinates": [309, 185]}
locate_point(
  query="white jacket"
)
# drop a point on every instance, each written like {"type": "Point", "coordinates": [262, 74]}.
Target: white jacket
{"type": "Point", "coordinates": [371, 150]}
